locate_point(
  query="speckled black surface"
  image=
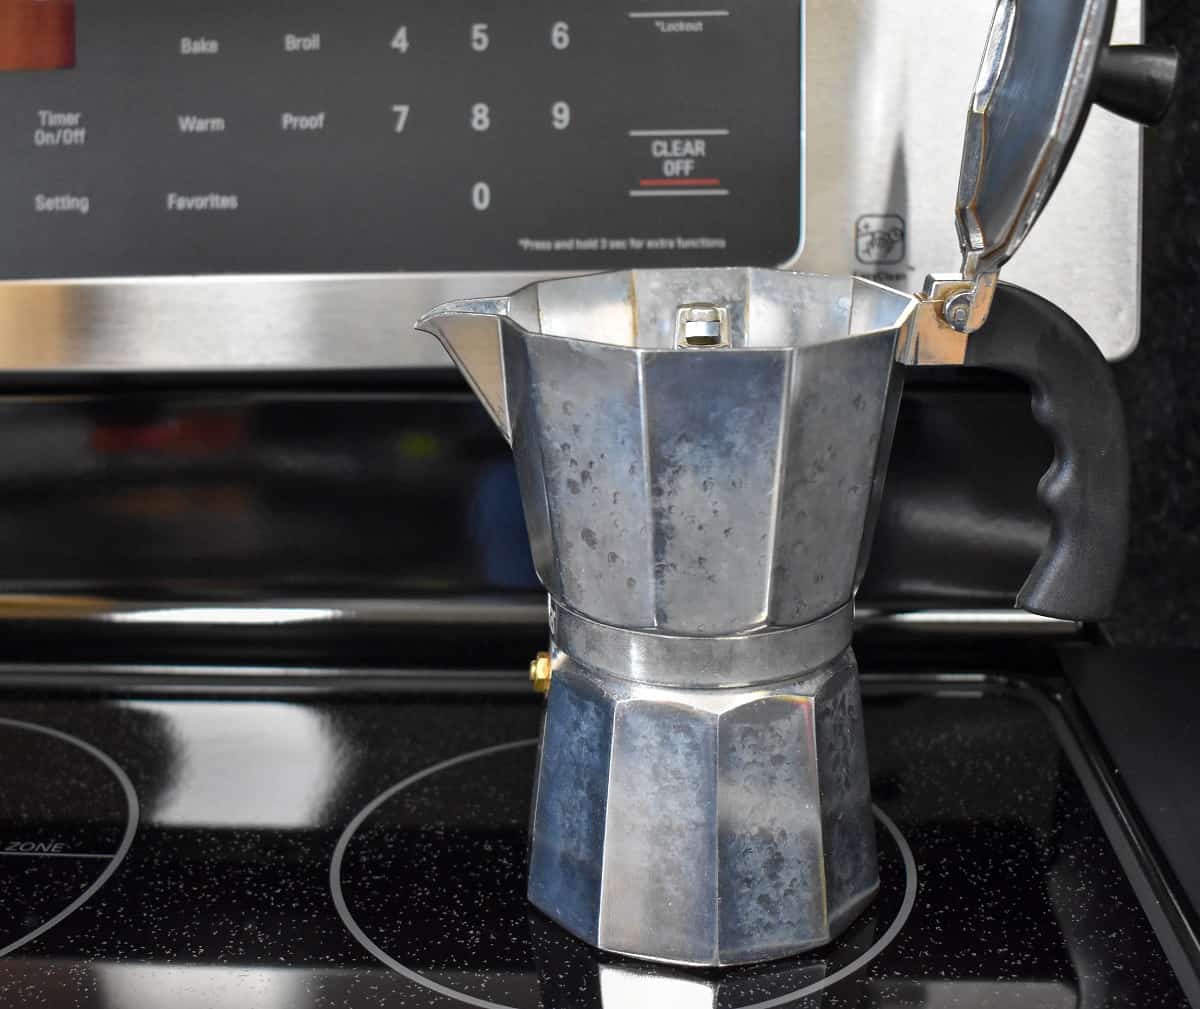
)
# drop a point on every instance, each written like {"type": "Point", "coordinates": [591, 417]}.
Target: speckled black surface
{"type": "Point", "coordinates": [224, 897]}
{"type": "Point", "coordinates": [55, 799]}
{"type": "Point", "coordinates": [1160, 382]}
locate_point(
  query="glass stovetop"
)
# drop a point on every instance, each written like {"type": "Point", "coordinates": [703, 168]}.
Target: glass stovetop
{"type": "Point", "coordinates": [158, 851]}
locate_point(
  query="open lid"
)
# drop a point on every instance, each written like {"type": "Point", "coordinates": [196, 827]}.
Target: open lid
{"type": "Point", "coordinates": [1030, 102]}
{"type": "Point", "coordinates": [1045, 62]}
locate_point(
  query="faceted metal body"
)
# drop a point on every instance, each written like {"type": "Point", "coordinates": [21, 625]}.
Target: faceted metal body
{"type": "Point", "coordinates": [700, 455]}
{"type": "Point", "coordinates": [703, 827]}
{"type": "Point", "coordinates": [698, 491]}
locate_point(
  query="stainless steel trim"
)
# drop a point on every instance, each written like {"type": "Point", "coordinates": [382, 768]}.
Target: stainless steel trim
{"type": "Point", "coordinates": [966, 622]}
{"type": "Point", "coordinates": [885, 97]}
{"type": "Point", "coordinates": [268, 613]}
{"type": "Point", "coordinates": [223, 324]}
{"type": "Point", "coordinates": [42, 672]}
{"type": "Point", "coordinates": [519, 612]}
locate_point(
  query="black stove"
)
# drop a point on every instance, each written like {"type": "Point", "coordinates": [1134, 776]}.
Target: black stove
{"type": "Point", "coordinates": [353, 848]}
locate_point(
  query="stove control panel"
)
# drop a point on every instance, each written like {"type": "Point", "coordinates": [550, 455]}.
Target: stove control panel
{"type": "Point", "coordinates": [252, 187]}
{"type": "Point", "coordinates": [307, 137]}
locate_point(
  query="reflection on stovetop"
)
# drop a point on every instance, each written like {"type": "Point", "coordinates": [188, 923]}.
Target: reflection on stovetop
{"type": "Point", "coordinates": [430, 878]}
{"type": "Point", "coordinates": [363, 851]}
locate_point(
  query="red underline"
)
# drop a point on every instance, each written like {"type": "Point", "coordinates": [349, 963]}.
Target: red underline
{"type": "Point", "coordinates": [679, 182]}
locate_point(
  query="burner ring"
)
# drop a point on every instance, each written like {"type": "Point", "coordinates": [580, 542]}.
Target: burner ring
{"type": "Point", "coordinates": [115, 859]}
{"type": "Point", "coordinates": [343, 909]}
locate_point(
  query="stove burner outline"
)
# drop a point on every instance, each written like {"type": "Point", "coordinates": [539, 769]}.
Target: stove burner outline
{"type": "Point", "coordinates": [115, 858]}
{"type": "Point", "coordinates": [343, 910]}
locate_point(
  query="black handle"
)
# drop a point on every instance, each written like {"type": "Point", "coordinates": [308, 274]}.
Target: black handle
{"type": "Point", "coordinates": [1086, 490]}
{"type": "Point", "coordinates": [1137, 82]}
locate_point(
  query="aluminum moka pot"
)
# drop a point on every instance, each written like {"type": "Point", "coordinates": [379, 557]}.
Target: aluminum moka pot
{"type": "Point", "coordinates": [701, 455]}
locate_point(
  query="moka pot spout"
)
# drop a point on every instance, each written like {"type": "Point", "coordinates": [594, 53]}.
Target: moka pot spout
{"type": "Point", "coordinates": [470, 331]}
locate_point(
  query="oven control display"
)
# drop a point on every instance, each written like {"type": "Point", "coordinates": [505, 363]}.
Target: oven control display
{"type": "Point", "coordinates": [223, 137]}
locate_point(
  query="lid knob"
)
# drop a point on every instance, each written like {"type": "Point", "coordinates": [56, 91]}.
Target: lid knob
{"type": "Point", "coordinates": [1137, 82]}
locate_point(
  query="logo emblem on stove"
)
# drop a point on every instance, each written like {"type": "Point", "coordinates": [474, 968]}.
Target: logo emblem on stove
{"type": "Point", "coordinates": [879, 239]}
